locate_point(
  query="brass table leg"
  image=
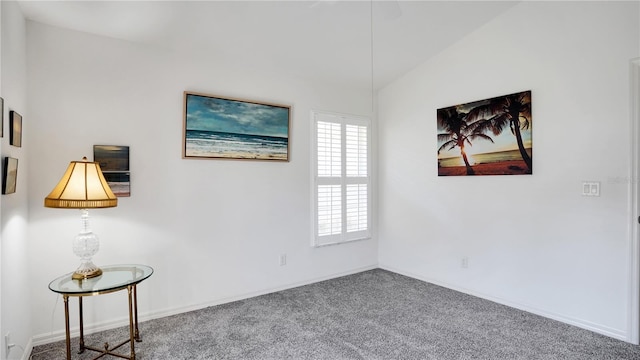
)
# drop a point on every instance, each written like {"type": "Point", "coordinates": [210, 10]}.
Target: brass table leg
{"type": "Point", "coordinates": [135, 312]}
{"type": "Point", "coordinates": [81, 326]}
{"type": "Point", "coordinates": [66, 325]}
{"type": "Point", "coordinates": [131, 328]}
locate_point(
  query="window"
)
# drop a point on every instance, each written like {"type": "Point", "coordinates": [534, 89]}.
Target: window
{"type": "Point", "coordinates": [341, 188]}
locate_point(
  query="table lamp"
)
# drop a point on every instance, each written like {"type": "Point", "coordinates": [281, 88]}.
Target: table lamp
{"type": "Point", "coordinates": [83, 187]}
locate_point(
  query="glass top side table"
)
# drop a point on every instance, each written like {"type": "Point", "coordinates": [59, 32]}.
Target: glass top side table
{"type": "Point", "coordinates": [114, 278]}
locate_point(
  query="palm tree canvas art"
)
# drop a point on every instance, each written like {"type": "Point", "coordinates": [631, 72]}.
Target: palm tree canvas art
{"type": "Point", "coordinates": [486, 137]}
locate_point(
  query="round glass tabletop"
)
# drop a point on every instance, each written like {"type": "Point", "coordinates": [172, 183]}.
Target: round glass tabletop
{"type": "Point", "coordinates": [113, 278]}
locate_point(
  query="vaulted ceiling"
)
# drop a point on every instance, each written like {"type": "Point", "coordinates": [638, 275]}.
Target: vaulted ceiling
{"type": "Point", "coordinates": [332, 41]}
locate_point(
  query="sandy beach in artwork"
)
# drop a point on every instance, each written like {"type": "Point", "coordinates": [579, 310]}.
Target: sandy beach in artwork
{"type": "Point", "coordinates": [194, 151]}
{"type": "Point", "coordinates": [211, 144]}
{"type": "Point", "coordinates": [511, 167]}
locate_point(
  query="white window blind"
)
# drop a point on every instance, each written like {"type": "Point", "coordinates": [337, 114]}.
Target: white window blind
{"type": "Point", "coordinates": [329, 210]}
{"type": "Point", "coordinates": [341, 174]}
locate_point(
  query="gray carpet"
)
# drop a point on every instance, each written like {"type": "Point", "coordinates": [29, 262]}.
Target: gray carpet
{"type": "Point", "coordinates": [375, 314]}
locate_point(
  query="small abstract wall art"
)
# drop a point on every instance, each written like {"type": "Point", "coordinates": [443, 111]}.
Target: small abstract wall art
{"type": "Point", "coordinates": [9, 175]}
{"type": "Point", "coordinates": [15, 128]}
{"type": "Point", "coordinates": [486, 137]}
{"type": "Point", "coordinates": [224, 128]}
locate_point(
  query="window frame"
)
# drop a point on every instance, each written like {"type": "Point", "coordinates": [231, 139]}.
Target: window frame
{"type": "Point", "coordinates": [343, 180]}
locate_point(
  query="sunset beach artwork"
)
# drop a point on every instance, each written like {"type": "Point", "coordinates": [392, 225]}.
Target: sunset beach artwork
{"type": "Point", "coordinates": [486, 137]}
{"type": "Point", "coordinates": [217, 127]}
{"type": "Point", "coordinates": [111, 157]}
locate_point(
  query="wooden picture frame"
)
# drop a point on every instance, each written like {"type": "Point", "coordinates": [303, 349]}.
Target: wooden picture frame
{"type": "Point", "coordinates": [9, 175]}
{"type": "Point", "coordinates": [114, 163]}
{"type": "Point", "coordinates": [15, 129]}
{"type": "Point", "coordinates": [217, 127]}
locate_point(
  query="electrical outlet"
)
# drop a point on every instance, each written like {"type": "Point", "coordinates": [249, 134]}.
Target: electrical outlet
{"type": "Point", "coordinates": [464, 263]}
{"type": "Point", "coordinates": [283, 259]}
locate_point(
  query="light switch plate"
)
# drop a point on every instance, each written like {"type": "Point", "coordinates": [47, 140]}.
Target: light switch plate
{"type": "Point", "coordinates": [590, 188]}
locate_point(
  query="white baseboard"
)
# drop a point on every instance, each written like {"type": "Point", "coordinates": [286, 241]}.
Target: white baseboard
{"type": "Point", "coordinates": [124, 321]}
{"type": "Point", "coordinates": [27, 350]}
{"type": "Point", "coordinates": [584, 324]}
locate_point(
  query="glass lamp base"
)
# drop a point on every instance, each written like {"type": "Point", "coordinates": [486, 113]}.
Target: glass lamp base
{"type": "Point", "coordinates": [85, 245]}
{"type": "Point", "coordinates": [82, 274]}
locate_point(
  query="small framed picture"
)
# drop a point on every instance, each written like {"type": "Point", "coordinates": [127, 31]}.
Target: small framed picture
{"type": "Point", "coordinates": [114, 163]}
{"type": "Point", "coordinates": [111, 157]}
{"type": "Point", "coordinates": [119, 182]}
{"type": "Point", "coordinates": [1, 117]}
{"type": "Point", "coordinates": [9, 175]}
{"type": "Point", "coordinates": [15, 128]}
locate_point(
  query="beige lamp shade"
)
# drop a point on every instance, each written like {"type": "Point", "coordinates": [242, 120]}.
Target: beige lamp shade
{"type": "Point", "coordinates": [82, 187]}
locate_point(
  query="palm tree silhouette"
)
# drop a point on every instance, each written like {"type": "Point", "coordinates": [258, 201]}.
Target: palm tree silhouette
{"type": "Point", "coordinates": [458, 132]}
{"type": "Point", "coordinates": [513, 110]}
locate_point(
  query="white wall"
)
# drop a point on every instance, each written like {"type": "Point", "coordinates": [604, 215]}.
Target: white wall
{"type": "Point", "coordinates": [533, 242]}
{"type": "Point", "coordinates": [15, 299]}
{"type": "Point", "coordinates": [213, 230]}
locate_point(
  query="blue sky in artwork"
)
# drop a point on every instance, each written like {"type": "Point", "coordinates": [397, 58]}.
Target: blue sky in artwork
{"type": "Point", "coordinates": [238, 117]}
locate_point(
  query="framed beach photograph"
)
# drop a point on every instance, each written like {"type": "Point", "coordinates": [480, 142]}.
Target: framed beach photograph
{"type": "Point", "coordinates": [224, 128]}
{"type": "Point", "coordinates": [486, 137]}
{"type": "Point", "coordinates": [15, 129]}
{"type": "Point", "coordinates": [114, 163]}
{"type": "Point", "coordinates": [9, 175]}
{"type": "Point", "coordinates": [111, 157]}
{"type": "Point", "coordinates": [119, 182]}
